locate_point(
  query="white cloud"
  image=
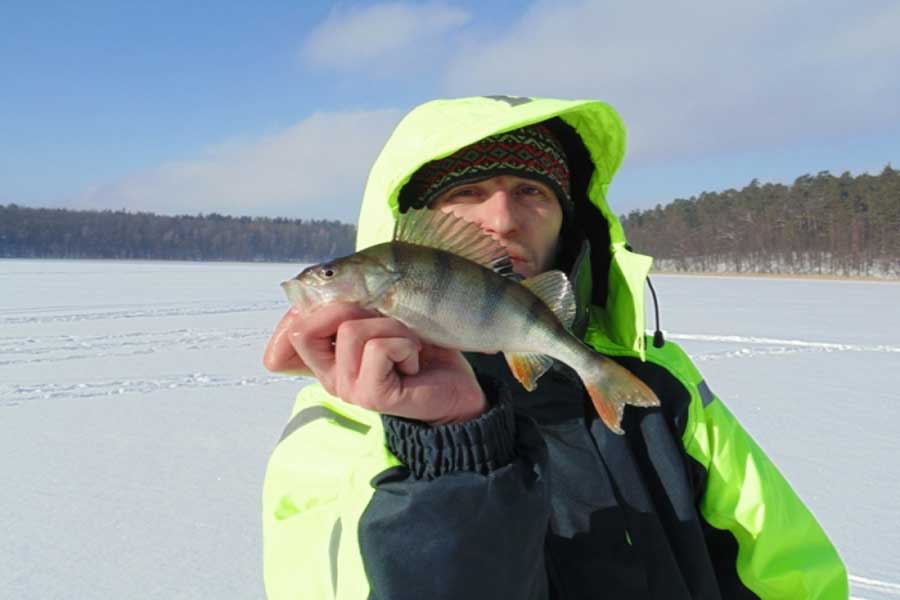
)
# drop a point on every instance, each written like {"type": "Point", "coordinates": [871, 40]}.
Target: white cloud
{"type": "Point", "coordinates": [705, 77]}
{"type": "Point", "coordinates": [390, 33]}
{"type": "Point", "coordinates": [694, 81]}
{"type": "Point", "coordinates": [314, 169]}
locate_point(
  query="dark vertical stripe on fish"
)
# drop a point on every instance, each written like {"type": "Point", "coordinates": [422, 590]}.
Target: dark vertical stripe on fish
{"type": "Point", "coordinates": [535, 312]}
{"type": "Point", "coordinates": [440, 262]}
{"type": "Point", "coordinates": [396, 255]}
{"type": "Point", "coordinates": [493, 289]}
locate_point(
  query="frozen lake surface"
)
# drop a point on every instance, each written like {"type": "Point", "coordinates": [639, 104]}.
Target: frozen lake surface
{"type": "Point", "coordinates": [136, 418]}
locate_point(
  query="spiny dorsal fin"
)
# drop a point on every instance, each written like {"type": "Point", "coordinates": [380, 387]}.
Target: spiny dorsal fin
{"type": "Point", "coordinates": [554, 289]}
{"type": "Point", "coordinates": [445, 231]}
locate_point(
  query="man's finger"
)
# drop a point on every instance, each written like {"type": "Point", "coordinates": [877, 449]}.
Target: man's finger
{"type": "Point", "coordinates": [352, 336]}
{"type": "Point", "coordinates": [379, 386]}
{"type": "Point", "coordinates": [280, 355]}
{"type": "Point", "coordinates": [312, 335]}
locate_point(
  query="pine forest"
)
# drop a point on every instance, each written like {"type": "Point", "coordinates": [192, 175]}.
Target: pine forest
{"type": "Point", "coordinates": [822, 224]}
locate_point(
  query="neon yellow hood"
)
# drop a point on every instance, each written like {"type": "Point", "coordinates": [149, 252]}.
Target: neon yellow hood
{"type": "Point", "coordinates": [441, 127]}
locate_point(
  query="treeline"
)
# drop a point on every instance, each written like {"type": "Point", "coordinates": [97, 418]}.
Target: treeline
{"type": "Point", "coordinates": [820, 224]}
{"type": "Point", "coordinates": [61, 233]}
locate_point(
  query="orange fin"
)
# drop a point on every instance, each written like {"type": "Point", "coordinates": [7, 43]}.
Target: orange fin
{"type": "Point", "coordinates": [528, 367]}
{"type": "Point", "coordinates": [609, 412]}
{"type": "Point", "coordinates": [611, 386]}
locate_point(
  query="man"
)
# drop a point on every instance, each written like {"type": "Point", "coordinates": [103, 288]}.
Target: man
{"type": "Point", "coordinates": [416, 472]}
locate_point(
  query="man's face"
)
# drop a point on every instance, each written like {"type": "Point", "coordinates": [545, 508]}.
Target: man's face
{"type": "Point", "coordinates": [523, 214]}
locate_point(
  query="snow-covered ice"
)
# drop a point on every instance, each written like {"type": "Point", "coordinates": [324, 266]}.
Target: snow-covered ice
{"type": "Point", "coordinates": [811, 368]}
{"type": "Point", "coordinates": [136, 418]}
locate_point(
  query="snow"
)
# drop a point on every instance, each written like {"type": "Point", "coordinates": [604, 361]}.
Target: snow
{"type": "Point", "coordinates": [135, 424]}
{"type": "Point", "coordinates": [811, 368]}
{"type": "Point", "coordinates": [136, 418]}
{"type": "Point", "coordinates": [798, 263]}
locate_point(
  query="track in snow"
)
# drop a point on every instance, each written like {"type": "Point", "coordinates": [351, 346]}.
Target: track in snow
{"type": "Point", "coordinates": [751, 346]}
{"type": "Point", "coordinates": [13, 394]}
{"type": "Point", "coordinates": [20, 350]}
{"type": "Point", "coordinates": [882, 588]}
{"type": "Point", "coordinates": [49, 349]}
{"type": "Point", "coordinates": [66, 315]}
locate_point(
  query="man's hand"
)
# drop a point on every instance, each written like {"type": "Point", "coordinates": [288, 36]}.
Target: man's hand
{"type": "Point", "coordinates": [377, 363]}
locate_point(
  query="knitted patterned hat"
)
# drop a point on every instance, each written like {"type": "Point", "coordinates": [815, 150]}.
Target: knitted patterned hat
{"type": "Point", "coordinates": [532, 152]}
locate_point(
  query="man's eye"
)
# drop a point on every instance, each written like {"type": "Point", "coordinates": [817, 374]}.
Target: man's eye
{"type": "Point", "coordinates": [531, 190]}
{"type": "Point", "coordinates": [461, 195]}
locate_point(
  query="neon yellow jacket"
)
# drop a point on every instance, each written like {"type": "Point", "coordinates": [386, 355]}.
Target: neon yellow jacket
{"type": "Point", "coordinates": [341, 509]}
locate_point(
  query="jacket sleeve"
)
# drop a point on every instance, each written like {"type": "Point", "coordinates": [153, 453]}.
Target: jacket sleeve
{"type": "Point", "coordinates": [308, 550]}
{"type": "Point", "coordinates": [465, 515]}
{"type": "Point", "coordinates": [782, 551]}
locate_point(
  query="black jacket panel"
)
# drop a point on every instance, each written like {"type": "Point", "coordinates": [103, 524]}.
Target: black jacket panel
{"type": "Point", "coordinates": [578, 513]}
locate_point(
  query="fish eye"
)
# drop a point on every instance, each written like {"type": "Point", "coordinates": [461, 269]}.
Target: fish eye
{"type": "Point", "coordinates": [327, 273]}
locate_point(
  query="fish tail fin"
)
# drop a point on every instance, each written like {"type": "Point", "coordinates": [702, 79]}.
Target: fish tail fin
{"type": "Point", "coordinates": [612, 386]}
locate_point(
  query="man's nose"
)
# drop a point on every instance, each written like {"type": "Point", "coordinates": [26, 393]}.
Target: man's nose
{"type": "Point", "coordinates": [498, 216]}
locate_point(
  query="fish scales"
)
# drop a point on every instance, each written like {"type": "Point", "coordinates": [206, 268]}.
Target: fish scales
{"type": "Point", "coordinates": [450, 284]}
{"type": "Point", "coordinates": [455, 303]}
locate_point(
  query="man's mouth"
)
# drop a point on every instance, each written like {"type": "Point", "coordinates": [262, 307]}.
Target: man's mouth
{"type": "Point", "coordinates": [514, 257]}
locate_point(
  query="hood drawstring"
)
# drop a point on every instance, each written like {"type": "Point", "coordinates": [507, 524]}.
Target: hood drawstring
{"type": "Point", "coordinates": [658, 339]}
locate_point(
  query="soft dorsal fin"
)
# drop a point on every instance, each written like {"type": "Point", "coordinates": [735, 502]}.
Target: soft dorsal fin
{"type": "Point", "coordinates": [445, 231]}
{"type": "Point", "coordinates": [554, 289]}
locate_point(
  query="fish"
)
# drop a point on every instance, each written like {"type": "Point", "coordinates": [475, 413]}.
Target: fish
{"type": "Point", "coordinates": [453, 285]}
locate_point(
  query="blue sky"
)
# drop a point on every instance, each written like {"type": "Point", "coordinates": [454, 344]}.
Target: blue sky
{"type": "Point", "coordinates": [279, 108]}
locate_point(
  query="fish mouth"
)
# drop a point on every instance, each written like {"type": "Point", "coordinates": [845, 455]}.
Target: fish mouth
{"type": "Point", "coordinates": [296, 293]}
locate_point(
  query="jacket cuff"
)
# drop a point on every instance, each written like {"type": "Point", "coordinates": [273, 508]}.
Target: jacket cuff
{"type": "Point", "coordinates": [481, 445]}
